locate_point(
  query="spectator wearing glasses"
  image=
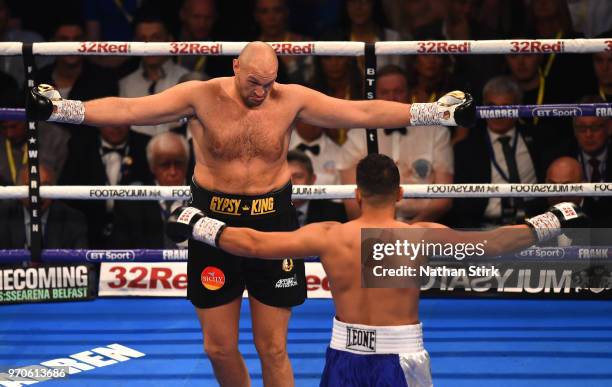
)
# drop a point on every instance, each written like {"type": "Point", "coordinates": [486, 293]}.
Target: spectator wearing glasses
{"type": "Point", "coordinates": [594, 154]}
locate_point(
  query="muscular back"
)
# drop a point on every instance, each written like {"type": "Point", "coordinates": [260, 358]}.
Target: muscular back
{"type": "Point", "coordinates": [354, 304]}
{"type": "Point", "coordinates": [239, 149]}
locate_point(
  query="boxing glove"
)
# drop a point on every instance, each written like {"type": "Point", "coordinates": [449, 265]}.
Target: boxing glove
{"type": "Point", "coordinates": [551, 223]}
{"type": "Point", "coordinates": [453, 109]}
{"type": "Point", "coordinates": [189, 222]}
{"type": "Point", "coordinates": [44, 103]}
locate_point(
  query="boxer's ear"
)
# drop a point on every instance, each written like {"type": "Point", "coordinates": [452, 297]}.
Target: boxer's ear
{"type": "Point", "coordinates": [400, 194]}
{"type": "Point", "coordinates": [236, 66]}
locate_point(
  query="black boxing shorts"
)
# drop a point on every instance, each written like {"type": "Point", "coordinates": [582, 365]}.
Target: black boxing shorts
{"type": "Point", "coordinates": [216, 278]}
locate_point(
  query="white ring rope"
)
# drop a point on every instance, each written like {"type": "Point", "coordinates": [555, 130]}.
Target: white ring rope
{"type": "Point", "coordinates": [346, 48]}
{"type": "Point", "coordinates": [431, 191]}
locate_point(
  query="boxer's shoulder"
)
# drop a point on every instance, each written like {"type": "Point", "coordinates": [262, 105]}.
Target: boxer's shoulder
{"type": "Point", "coordinates": [291, 94]}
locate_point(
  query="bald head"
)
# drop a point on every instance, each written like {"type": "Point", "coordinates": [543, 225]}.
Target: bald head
{"type": "Point", "coordinates": [260, 56]}
{"type": "Point", "coordinates": [564, 170]}
{"type": "Point", "coordinates": [255, 72]}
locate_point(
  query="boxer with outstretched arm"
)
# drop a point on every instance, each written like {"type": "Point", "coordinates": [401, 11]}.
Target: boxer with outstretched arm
{"type": "Point", "coordinates": [242, 176]}
{"type": "Point", "coordinates": [389, 317]}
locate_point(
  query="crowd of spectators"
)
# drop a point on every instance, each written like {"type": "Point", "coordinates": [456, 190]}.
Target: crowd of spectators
{"type": "Point", "coordinates": [559, 150]}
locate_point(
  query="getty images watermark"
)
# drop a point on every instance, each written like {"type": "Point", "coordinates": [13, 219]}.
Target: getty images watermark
{"type": "Point", "coordinates": [444, 258]}
{"type": "Point", "coordinates": [410, 250]}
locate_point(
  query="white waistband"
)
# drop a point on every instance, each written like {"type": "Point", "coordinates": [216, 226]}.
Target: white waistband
{"type": "Point", "coordinates": [367, 339]}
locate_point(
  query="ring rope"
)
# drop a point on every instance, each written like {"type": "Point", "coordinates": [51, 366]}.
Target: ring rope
{"type": "Point", "coordinates": [483, 112]}
{"type": "Point", "coordinates": [602, 253]}
{"type": "Point", "coordinates": [431, 191]}
{"type": "Point", "coordinates": [340, 48]}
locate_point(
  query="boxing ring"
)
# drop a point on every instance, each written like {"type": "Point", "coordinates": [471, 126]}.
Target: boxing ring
{"type": "Point", "coordinates": [121, 340]}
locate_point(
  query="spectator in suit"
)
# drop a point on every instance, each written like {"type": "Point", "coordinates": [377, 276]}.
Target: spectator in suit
{"type": "Point", "coordinates": [594, 154]}
{"type": "Point", "coordinates": [422, 153]}
{"type": "Point", "coordinates": [310, 211]}
{"type": "Point", "coordinates": [554, 134]}
{"type": "Point", "coordinates": [141, 224]}
{"type": "Point", "coordinates": [62, 226]}
{"type": "Point", "coordinates": [501, 151]}
{"type": "Point", "coordinates": [156, 73]}
{"type": "Point", "coordinates": [115, 157]}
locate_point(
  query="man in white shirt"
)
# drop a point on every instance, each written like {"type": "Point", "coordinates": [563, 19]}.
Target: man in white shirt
{"type": "Point", "coordinates": [423, 154]}
{"type": "Point", "coordinates": [156, 73]}
{"type": "Point", "coordinates": [322, 151]}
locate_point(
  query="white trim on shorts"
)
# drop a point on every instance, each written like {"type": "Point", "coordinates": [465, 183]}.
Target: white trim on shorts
{"type": "Point", "coordinates": [370, 340]}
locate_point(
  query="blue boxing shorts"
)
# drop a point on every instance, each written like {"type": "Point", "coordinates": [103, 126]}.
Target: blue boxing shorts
{"type": "Point", "coordinates": [381, 356]}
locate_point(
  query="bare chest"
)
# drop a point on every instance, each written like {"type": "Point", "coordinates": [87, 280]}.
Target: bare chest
{"type": "Point", "coordinates": [245, 135]}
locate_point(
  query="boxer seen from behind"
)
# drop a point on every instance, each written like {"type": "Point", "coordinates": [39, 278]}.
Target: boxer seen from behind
{"type": "Point", "coordinates": [377, 337]}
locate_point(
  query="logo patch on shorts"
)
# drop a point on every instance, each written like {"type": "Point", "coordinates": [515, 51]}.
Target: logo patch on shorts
{"type": "Point", "coordinates": [286, 282]}
{"type": "Point", "coordinates": [212, 278]}
{"type": "Point", "coordinates": [287, 264]}
{"type": "Point", "coordinates": [362, 340]}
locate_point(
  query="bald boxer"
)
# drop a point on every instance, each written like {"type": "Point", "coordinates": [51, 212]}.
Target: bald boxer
{"type": "Point", "coordinates": [389, 317]}
{"type": "Point", "coordinates": [242, 176]}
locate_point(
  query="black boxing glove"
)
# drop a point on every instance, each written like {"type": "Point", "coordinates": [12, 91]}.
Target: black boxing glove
{"type": "Point", "coordinates": [453, 109]}
{"type": "Point", "coordinates": [189, 222]}
{"type": "Point", "coordinates": [44, 103]}
{"type": "Point", "coordinates": [563, 215]}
